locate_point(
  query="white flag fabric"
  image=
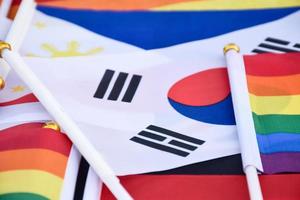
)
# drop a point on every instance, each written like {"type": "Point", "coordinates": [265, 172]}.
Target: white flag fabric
{"type": "Point", "coordinates": [52, 37]}
{"type": "Point", "coordinates": [5, 25]}
{"type": "Point", "coordinates": [18, 105]}
{"type": "Point", "coordinates": [80, 180]}
{"type": "Point", "coordinates": [259, 39]}
{"type": "Point", "coordinates": [206, 58]}
{"type": "Point", "coordinates": [121, 103]}
{"type": "Point", "coordinates": [59, 34]}
{"type": "Point", "coordinates": [48, 37]}
{"type": "Point", "coordinates": [149, 110]}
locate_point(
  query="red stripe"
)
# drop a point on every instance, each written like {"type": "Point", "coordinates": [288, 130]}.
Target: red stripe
{"type": "Point", "coordinates": [212, 187]}
{"type": "Point", "coordinates": [29, 98]}
{"type": "Point", "coordinates": [109, 4]}
{"type": "Point", "coordinates": [17, 128]}
{"type": "Point", "coordinates": [272, 64]}
{"type": "Point", "coordinates": [30, 136]}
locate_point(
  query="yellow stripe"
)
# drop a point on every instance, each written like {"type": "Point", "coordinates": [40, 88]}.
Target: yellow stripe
{"type": "Point", "coordinates": [230, 5]}
{"type": "Point", "coordinates": [263, 105]}
{"type": "Point", "coordinates": [31, 181]}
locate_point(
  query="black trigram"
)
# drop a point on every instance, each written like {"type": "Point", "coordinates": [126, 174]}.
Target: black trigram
{"type": "Point", "coordinates": [275, 45]}
{"type": "Point", "coordinates": [167, 140]}
{"type": "Point", "coordinates": [117, 86]}
{"type": "Point", "coordinates": [81, 179]}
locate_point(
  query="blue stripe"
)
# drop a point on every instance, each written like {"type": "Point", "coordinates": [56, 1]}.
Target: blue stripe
{"type": "Point", "coordinates": [151, 30]}
{"type": "Point", "coordinates": [278, 142]}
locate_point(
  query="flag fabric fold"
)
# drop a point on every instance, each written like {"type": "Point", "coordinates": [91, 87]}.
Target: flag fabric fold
{"type": "Point", "coordinates": [172, 28]}
{"type": "Point", "coordinates": [193, 187]}
{"type": "Point", "coordinates": [119, 32]}
{"type": "Point", "coordinates": [40, 163]}
{"type": "Point", "coordinates": [274, 102]}
{"type": "Point", "coordinates": [33, 163]}
{"type": "Point", "coordinates": [147, 127]}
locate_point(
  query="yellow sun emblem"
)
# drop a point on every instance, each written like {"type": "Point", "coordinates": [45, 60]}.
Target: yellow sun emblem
{"type": "Point", "coordinates": [72, 50]}
{"type": "Point", "coordinates": [18, 88]}
{"type": "Point", "coordinates": [40, 25]}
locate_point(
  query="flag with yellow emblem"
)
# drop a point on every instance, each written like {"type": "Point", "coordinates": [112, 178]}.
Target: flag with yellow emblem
{"type": "Point", "coordinates": [118, 32]}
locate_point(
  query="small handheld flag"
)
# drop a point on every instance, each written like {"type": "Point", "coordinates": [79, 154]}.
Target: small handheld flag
{"type": "Point", "coordinates": [16, 62]}
{"type": "Point", "coordinates": [266, 96]}
{"type": "Point", "coordinates": [243, 117]}
{"type": "Point", "coordinates": [273, 86]}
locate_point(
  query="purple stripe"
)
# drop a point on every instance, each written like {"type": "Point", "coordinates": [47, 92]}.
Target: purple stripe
{"type": "Point", "coordinates": [281, 162]}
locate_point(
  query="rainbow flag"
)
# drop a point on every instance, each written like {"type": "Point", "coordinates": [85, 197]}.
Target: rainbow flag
{"type": "Point", "coordinates": [274, 91]}
{"type": "Point", "coordinates": [33, 162]}
{"type": "Point", "coordinates": [167, 5]}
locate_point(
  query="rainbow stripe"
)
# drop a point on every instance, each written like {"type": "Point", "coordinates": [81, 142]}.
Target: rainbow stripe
{"type": "Point", "coordinates": [33, 162]}
{"type": "Point", "coordinates": [229, 5]}
{"type": "Point", "coordinates": [29, 98]}
{"type": "Point", "coordinates": [274, 91]}
{"type": "Point", "coordinates": [169, 5]}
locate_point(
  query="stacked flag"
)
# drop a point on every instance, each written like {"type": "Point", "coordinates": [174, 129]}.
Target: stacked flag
{"type": "Point", "coordinates": [172, 28]}
{"type": "Point", "coordinates": [273, 81]}
{"type": "Point", "coordinates": [33, 162]}
{"type": "Point", "coordinates": [172, 156]}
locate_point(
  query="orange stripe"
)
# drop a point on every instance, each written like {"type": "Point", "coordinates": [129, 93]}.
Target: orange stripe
{"type": "Point", "coordinates": [274, 85]}
{"type": "Point", "coordinates": [111, 5]}
{"type": "Point", "coordinates": [35, 159]}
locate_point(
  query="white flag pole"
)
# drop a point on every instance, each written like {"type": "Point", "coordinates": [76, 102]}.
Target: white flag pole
{"type": "Point", "coordinates": [244, 122]}
{"type": "Point", "coordinates": [5, 6]}
{"type": "Point", "coordinates": [68, 125]}
{"type": "Point", "coordinates": [17, 31]}
{"type": "Point", "coordinates": [21, 24]}
{"type": "Point", "coordinates": [49, 102]}
{"type": "Point", "coordinates": [4, 68]}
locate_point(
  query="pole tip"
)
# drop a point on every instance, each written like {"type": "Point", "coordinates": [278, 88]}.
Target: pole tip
{"type": "Point", "coordinates": [52, 125]}
{"type": "Point", "coordinates": [4, 45]}
{"type": "Point", "coordinates": [231, 46]}
{"type": "Point", "coordinates": [2, 83]}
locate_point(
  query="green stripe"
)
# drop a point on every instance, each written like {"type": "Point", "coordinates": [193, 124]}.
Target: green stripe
{"type": "Point", "coordinates": [267, 124]}
{"type": "Point", "coordinates": [21, 196]}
